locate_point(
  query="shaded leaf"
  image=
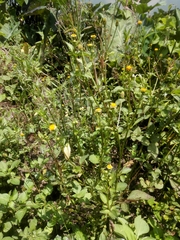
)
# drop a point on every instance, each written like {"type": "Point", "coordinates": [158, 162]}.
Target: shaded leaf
{"type": "Point", "coordinates": [7, 226]}
{"type": "Point", "coordinates": [136, 195]}
{"type": "Point", "coordinates": [20, 214]}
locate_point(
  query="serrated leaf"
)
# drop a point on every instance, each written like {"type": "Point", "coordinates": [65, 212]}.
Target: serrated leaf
{"type": "Point", "coordinates": [141, 227]}
{"type": "Point", "coordinates": [4, 198]}
{"type": "Point", "coordinates": [20, 214]}
{"type": "Point", "coordinates": [136, 195]}
{"type": "Point", "coordinates": [94, 159]}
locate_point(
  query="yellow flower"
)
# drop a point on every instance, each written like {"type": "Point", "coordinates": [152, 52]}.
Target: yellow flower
{"type": "Point", "coordinates": [128, 68]}
{"type": "Point", "coordinates": [139, 22]}
{"type": "Point", "coordinates": [93, 36]}
{"type": "Point", "coordinates": [21, 134]}
{"type": "Point", "coordinates": [98, 110]}
{"type": "Point", "coordinates": [52, 127]}
{"type": "Point", "coordinates": [109, 166]}
{"type": "Point", "coordinates": [113, 105]}
{"type": "Point", "coordinates": [156, 49]}
{"type": "Point", "coordinates": [143, 89]}
{"type": "Point", "coordinates": [73, 35]}
{"type": "Point", "coordinates": [89, 44]}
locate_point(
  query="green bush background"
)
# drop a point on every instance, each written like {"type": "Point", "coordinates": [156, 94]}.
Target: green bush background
{"type": "Point", "coordinates": [90, 121]}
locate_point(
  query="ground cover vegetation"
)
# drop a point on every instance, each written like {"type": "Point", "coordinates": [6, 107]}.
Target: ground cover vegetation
{"type": "Point", "coordinates": [89, 121]}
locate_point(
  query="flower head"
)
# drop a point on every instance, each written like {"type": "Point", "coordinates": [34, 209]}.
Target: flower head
{"type": "Point", "coordinates": [139, 22]}
{"type": "Point", "coordinates": [128, 68]}
{"type": "Point", "coordinates": [73, 35]}
{"type": "Point", "coordinates": [52, 127]}
{"type": "Point", "coordinates": [143, 89]}
{"type": "Point", "coordinates": [98, 110]}
{"type": "Point", "coordinates": [22, 134]}
{"type": "Point", "coordinates": [93, 36]}
{"type": "Point", "coordinates": [156, 49]}
{"type": "Point", "coordinates": [109, 166]}
{"type": "Point", "coordinates": [113, 105]}
{"type": "Point", "coordinates": [89, 44]}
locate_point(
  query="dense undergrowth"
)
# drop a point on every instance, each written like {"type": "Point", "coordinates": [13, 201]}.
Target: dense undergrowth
{"type": "Point", "coordinates": [89, 121]}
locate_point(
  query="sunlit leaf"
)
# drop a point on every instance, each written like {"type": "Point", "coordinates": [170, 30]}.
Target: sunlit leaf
{"type": "Point", "coordinates": [141, 227]}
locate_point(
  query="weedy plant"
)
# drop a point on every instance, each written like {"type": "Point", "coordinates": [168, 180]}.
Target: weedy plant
{"type": "Point", "coordinates": [89, 122]}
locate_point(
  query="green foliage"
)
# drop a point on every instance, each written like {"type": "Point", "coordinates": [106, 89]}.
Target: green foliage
{"type": "Point", "coordinates": [89, 123]}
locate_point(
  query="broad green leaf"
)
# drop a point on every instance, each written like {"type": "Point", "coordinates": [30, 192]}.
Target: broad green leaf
{"type": "Point", "coordinates": [8, 238]}
{"type": "Point", "coordinates": [124, 207]}
{"type": "Point", "coordinates": [7, 226]}
{"type": "Point", "coordinates": [33, 224]}
{"type": "Point", "coordinates": [81, 194]}
{"type": "Point", "coordinates": [70, 46]}
{"type": "Point", "coordinates": [121, 186]}
{"type": "Point", "coordinates": [103, 198]}
{"type": "Point", "coordinates": [20, 214]}
{"type": "Point", "coordinates": [136, 195]}
{"type": "Point", "coordinates": [2, 97]}
{"type": "Point", "coordinates": [15, 164]}
{"type": "Point", "coordinates": [79, 235]}
{"type": "Point", "coordinates": [147, 238]}
{"type": "Point", "coordinates": [82, 159]}
{"type": "Point", "coordinates": [176, 91]}
{"type": "Point", "coordinates": [125, 170]}
{"type": "Point", "coordinates": [22, 197]}
{"type": "Point", "coordinates": [14, 181]}
{"type": "Point", "coordinates": [153, 149]}
{"type": "Point", "coordinates": [159, 184]}
{"type": "Point", "coordinates": [4, 198]}
{"type": "Point", "coordinates": [141, 227]}
{"type": "Point", "coordinates": [103, 235]}
{"type": "Point", "coordinates": [3, 166]}
{"type": "Point", "coordinates": [94, 159]}
{"type": "Point", "coordinates": [124, 231]}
